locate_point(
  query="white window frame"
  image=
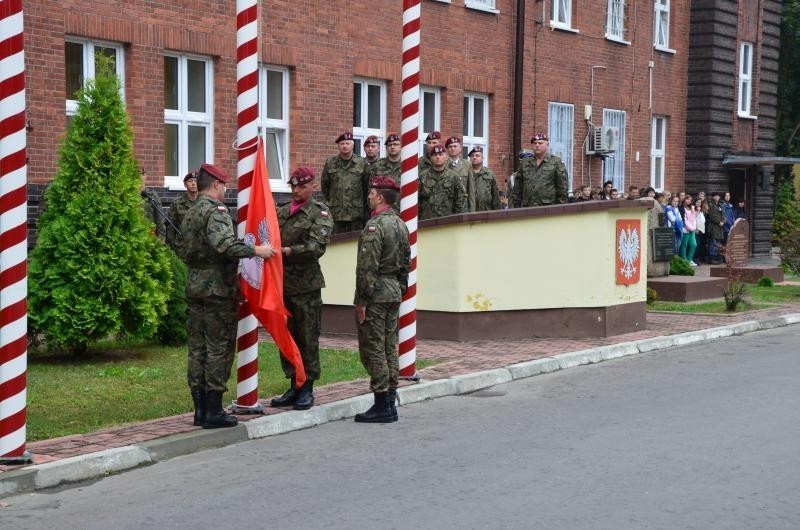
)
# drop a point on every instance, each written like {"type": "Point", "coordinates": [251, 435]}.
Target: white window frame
{"type": "Point", "coordinates": [437, 115]}
{"type": "Point", "coordinates": [183, 118]}
{"type": "Point", "coordinates": [561, 131]}
{"type": "Point", "coordinates": [489, 6]}
{"type": "Point", "coordinates": [278, 127]}
{"type": "Point", "coordinates": [89, 66]}
{"type": "Point", "coordinates": [661, 10]}
{"type": "Point", "coordinates": [745, 93]}
{"type": "Point", "coordinates": [564, 22]}
{"type": "Point", "coordinates": [470, 140]}
{"type": "Point", "coordinates": [614, 164]}
{"type": "Point", "coordinates": [361, 133]}
{"type": "Point", "coordinates": [615, 20]}
{"type": "Point", "coordinates": [658, 153]}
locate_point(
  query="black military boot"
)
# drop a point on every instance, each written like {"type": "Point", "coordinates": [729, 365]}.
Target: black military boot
{"type": "Point", "coordinates": [392, 397]}
{"type": "Point", "coordinates": [199, 398]}
{"type": "Point", "coordinates": [215, 414]}
{"type": "Point", "coordinates": [288, 397]}
{"type": "Point", "coordinates": [380, 412]}
{"type": "Point", "coordinates": [305, 396]}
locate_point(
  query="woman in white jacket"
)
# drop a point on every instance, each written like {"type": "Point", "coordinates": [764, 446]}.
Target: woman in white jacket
{"type": "Point", "coordinates": [700, 207]}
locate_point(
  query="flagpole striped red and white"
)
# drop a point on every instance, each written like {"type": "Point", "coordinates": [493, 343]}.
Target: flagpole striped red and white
{"type": "Point", "coordinates": [247, 142]}
{"type": "Point", "coordinates": [409, 181]}
{"type": "Point", "coordinates": [13, 237]}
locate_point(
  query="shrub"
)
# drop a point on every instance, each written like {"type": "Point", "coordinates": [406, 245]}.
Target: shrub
{"type": "Point", "coordinates": [734, 294]}
{"type": "Point", "coordinates": [786, 226]}
{"type": "Point", "coordinates": [652, 296]}
{"type": "Point", "coordinates": [172, 328]}
{"type": "Point", "coordinates": [680, 267]}
{"type": "Point", "coordinates": [765, 282]}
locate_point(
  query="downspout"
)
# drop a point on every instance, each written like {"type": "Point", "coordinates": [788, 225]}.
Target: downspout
{"type": "Point", "coordinates": [519, 62]}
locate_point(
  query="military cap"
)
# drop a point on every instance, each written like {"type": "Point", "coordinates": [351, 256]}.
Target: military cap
{"type": "Point", "coordinates": [372, 139]}
{"type": "Point", "coordinates": [215, 172]}
{"type": "Point", "coordinates": [301, 175]}
{"type": "Point", "coordinates": [539, 136]}
{"type": "Point", "coordinates": [347, 135]}
{"type": "Point", "coordinates": [190, 175]}
{"type": "Point", "coordinates": [381, 182]}
{"type": "Point", "coordinates": [437, 150]}
{"type": "Point", "coordinates": [391, 138]}
{"type": "Point", "coordinates": [476, 149]}
{"type": "Point", "coordinates": [435, 135]}
{"type": "Point", "coordinates": [452, 140]}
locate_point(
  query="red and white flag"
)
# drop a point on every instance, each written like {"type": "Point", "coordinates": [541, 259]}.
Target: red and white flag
{"type": "Point", "coordinates": [262, 280]}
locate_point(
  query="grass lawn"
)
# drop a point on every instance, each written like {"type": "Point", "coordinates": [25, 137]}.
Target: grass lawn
{"type": "Point", "coordinates": [117, 383]}
{"type": "Point", "coordinates": [759, 298]}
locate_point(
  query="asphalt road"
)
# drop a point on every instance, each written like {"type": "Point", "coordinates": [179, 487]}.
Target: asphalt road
{"type": "Point", "coordinates": [702, 437]}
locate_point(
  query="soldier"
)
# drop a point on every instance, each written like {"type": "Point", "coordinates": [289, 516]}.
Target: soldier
{"type": "Point", "coordinates": [390, 165]}
{"type": "Point", "coordinates": [212, 253]}
{"type": "Point", "coordinates": [484, 192]}
{"type": "Point", "coordinates": [541, 179]}
{"type": "Point", "coordinates": [459, 166]}
{"type": "Point", "coordinates": [433, 138]}
{"type": "Point", "coordinates": [306, 227]}
{"type": "Point", "coordinates": [179, 209]}
{"type": "Point", "coordinates": [383, 262]}
{"type": "Point", "coordinates": [440, 190]}
{"type": "Point", "coordinates": [344, 186]}
{"type": "Point", "coordinates": [372, 150]}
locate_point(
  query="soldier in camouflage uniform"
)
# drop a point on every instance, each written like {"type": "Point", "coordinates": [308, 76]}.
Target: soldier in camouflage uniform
{"type": "Point", "coordinates": [459, 166]}
{"type": "Point", "coordinates": [306, 227]}
{"type": "Point", "coordinates": [389, 166]}
{"type": "Point", "coordinates": [440, 190]}
{"type": "Point", "coordinates": [384, 259]}
{"type": "Point", "coordinates": [178, 210]}
{"type": "Point", "coordinates": [372, 150]}
{"type": "Point", "coordinates": [212, 253]}
{"type": "Point", "coordinates": [484, 193]}
{"type": "Point", "coordinates": [541, 179]}
{"type": "Point", "coordinates": [344, 186]}
{"type": "Point", "coordinates": [434, 138]}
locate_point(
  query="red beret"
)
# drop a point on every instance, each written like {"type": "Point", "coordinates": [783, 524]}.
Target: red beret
{"type": "Point", "coordinates": [391, 138]}
{"type": "Point", "coordinates": [539, 136]}
{"type": "Point", "coordinates": [452, 140]}
{"type": "Point", "coordinates": [435, 135]}
{"type": "Point", "coordinates": [215, 172]}
{"type": "Point", "coordinates": [476, 149]}
{"type": "Point", "coordinates": [372, 139]}
{"type": "Point", "coordinates": [437, 149]}
{"type": "Point", "coordinates": [302, 175]}
{"type": "Point", "coordinates": [190, 175]}
{"type": "Point", "coordinates": [347, 135]}
{"type": "Point", "coordinates": [383, 183]}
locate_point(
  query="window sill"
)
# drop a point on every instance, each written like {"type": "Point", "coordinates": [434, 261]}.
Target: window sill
{"type": "Point", "coordinates": [665, 50]}
{"type": "Point", "coordinates": [479, 7]}
{"type": "Point", "coordinates": [618, 40]}
{"type": "Point", "coordinates": [562, 27]}
{"type": "Point", "coordinates": [747, 116]}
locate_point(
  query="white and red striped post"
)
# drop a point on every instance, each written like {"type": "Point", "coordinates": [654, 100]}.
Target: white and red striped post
{"type": "Point", "coordinates": [13, 237]}
{"type": "Point", "coordinates": [247, 142]}
{"type": "Point", "coordinates": [409, 182]}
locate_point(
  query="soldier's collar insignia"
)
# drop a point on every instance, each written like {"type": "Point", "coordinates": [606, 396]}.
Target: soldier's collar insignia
{"type": "Point", "coordinates": [222, 209]}
{"type": "Point", "coordinates": [371, 229]}
{"type": "Point", "coordinates": [323, 213]}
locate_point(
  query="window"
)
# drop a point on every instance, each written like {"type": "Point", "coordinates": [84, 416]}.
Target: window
{"type": "Point", "coordinates": [430, 104]}
{"type": "Point", "coordinates": [615, 20]}
{"type": "Point", "coordinates": [369, 112]}
{"type": "Point", "coordinates": [188, 116]}
{"type": "Point", "coordinates": [80, 62]}
{"type": "Point", "coordinates": [614, 164]}
{"type": "Point", "coordinates": [661, 25]}
{"type": "Point", "coordinates": [746, 80]}
{"type": "Point", "coordinates": [483, 5]}
{"type": "Point", "coordinates": [658, 147]}
{"type": "Point", "coordinates": [273, 114]}
{"type": "Point", "coordinates": [561, 14]}
{"type": "Point", "coordinates": [476, 123]}
{"type": "Point", "coordinates": [560, 118]}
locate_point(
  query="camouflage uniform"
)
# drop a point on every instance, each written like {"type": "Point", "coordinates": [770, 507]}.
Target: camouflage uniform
{"type": "Point", "coordinates": [384, 258]}
{"type": "Point", "coordinates": [542, 185]}
{"type": "Point", "coordinates": [344, 187]}
{"type": "Point", "coordinates": [461, 168]}
{"type": "Point", "coordinates": [211, 252]}
{"type": "Point", "coordinates": [424, 163]}
{"type": "Point", "coordinates": [152, 213]}
{"type": "Point", "coordinates": [177, 213]}
{"type": "Point", "coordinates": [440, 194]}
{"type": "Point", "coordinates": [307, 233]}
{"type": "Point", "coordinates": [386, 168]}
{"type": "Point", "coordinates": [484, 193]}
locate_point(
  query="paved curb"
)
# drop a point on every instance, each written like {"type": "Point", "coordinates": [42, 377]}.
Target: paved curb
{"type": "Point", "coordinates": [96, 465]}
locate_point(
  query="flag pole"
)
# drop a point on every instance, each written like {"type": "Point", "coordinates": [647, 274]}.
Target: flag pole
{"type": "Point", "coordinates": [409, 183]}
{"type": "Point", "coordinates": [13, 237]}
{"type": "Point", "coordinates": [247, 144]}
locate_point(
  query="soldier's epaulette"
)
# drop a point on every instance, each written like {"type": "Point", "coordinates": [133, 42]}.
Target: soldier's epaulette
{"type": "Point", "coordinates": [284, 203]}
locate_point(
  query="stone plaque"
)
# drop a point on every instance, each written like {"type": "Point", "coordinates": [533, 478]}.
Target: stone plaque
{"type": "Point", "coordinates": [738, 248]}
{"type": "Point", "coordinates": [663, 244]}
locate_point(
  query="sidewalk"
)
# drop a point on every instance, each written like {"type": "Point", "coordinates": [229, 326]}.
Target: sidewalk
{"type": "Point", "coordinates": [463, 367]}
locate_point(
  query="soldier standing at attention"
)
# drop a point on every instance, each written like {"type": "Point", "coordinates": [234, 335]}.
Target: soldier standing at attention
{"type": "Point", "coordinates": [390, 165]}
{"type": "Point", "coordinates": [383, 262]}
{"type": "Point", "coordinates": [485, 194]}
{"type": "Point", "coordinates": [434, 138]}
{"type": "Point", "coordinates": [541, 179]}
{"type": "Point", "coordinates": [212, 253]}
{"type": "Point", "coordinates": [306, 227]}
{"type": "Point", "coordinates": [344, 186]}
{"type": "Point", "coordinates": [459, 166]}
{"type": "Point", "coordinates": [179, 209]}
{"type": "Point", "coordinates": [440, 190]}
{"type": "Point", "coordinates": [372, 150]}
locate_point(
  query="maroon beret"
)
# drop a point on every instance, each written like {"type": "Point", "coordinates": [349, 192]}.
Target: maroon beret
{"type": "Point", "coordinates": [215, 172]}
{"type": "Point", "coordinates": [435, 135]}
{"type": "Point", "coordinates": [452, 140]}
{"type": "Point", "coordinates": [437, 149]}
{"type": "Point", "coordinates": [347, 135]}
{"type": "Point", "coordinates": [190, 175]}
{"type": "Point", "coordinates": [539, 136]}
{"type": "Point", "coordinates": [381, 182]}
{"type": "Point", "coordinates": [301, 175]}
{"type": "Point", "coordinates": [372, 139]}
{"type": "Point", "coordinates": [476, 149]}
{"type": "Point", "coordinates": [391, 138]}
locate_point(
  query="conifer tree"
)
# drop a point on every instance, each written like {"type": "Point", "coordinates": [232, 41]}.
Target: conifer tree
{"type": "Point", "coordinates": [97, 270]}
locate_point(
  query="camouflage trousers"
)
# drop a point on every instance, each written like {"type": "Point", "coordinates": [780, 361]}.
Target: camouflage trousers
{"type": "Point", "coordinates": [340, 227]}
{"type": "Point", "coordinates": [304, 325]}
{"type": "Point", "coordinates": [377, 344]}
{"type": "Point", "coordinates": [212, 324]}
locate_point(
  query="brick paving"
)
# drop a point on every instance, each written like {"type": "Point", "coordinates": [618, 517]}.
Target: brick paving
{"type": "Point", "coordinates": [453, 358]}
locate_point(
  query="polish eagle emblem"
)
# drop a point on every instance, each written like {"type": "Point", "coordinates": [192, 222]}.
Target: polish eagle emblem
{"type": "Point", "coordinates": [252, 268]}
{"type": "Point", "coordinates": [628, 249]}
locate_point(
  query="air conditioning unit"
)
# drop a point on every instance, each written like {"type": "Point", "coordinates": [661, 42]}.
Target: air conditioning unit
{"type": "Point", "coordinates": [604, 140]}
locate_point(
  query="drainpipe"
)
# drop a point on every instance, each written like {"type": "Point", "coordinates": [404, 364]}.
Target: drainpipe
{"type": "Point", "coordinates": [518, 77]}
